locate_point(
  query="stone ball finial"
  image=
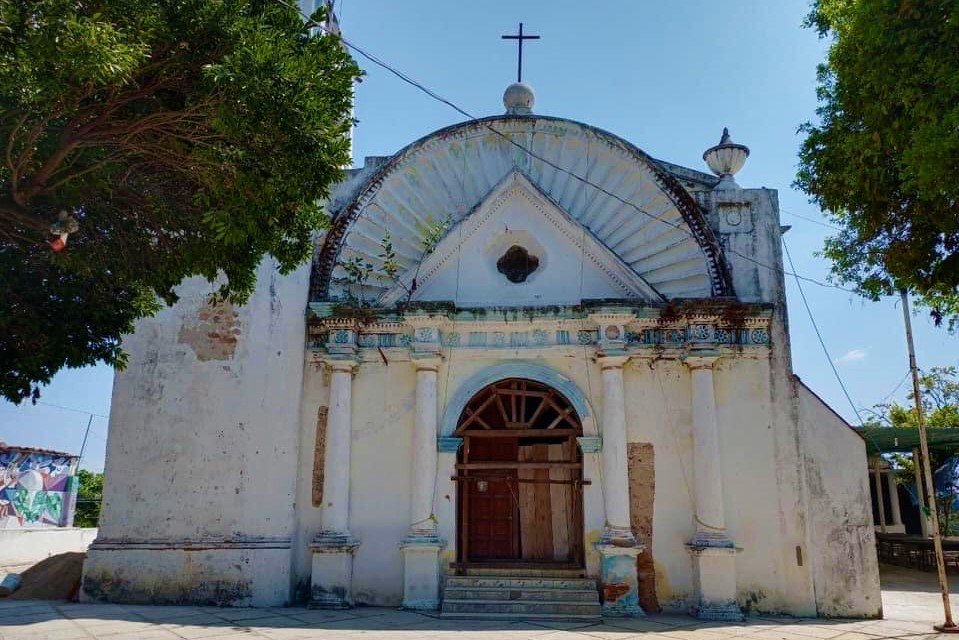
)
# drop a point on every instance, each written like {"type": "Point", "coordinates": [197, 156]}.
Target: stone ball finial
{"type": "Point", "coordinates": [519, 99]}
{"type": "Point", "coordinates": [726, 159]}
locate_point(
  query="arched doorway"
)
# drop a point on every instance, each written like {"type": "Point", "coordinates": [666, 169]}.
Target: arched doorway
{"type": "Point", "coordinates": [520, 478]}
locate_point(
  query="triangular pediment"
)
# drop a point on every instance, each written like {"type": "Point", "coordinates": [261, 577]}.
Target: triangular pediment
{"type": "Point", "coordinates": [516, 220]}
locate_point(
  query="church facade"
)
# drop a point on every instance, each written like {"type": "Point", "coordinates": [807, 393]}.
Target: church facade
{"type": "Point", "coordinates": [524, 348]}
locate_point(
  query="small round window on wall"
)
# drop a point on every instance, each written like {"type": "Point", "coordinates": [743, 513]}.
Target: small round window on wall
{"type": "Point", "coordinates": [517, 264]}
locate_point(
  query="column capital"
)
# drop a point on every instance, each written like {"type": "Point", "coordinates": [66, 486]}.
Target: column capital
{"type": "Point", "coordinates": [426, 361]}
{"type": "Point", "coordinates": [346, 365]}
{"type": "Point", "coordinates": [700, 359]}
{"type": "Point", "coordinates": [612, 361]}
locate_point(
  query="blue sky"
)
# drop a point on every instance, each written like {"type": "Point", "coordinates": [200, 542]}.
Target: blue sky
{"type": "Point", "coordinates": [668, 76]}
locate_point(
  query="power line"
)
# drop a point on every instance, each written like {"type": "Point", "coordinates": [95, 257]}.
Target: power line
{"type": "Point", "coordinates": [889, 395]}
{"type": "Point", "coordinates": [407, 79]}
{"type": "Point", "coordinates": [58, 406]}
{"type": "Point", "coordinates": [822, 342]}
{"type": "Point", "coordinates": [813, 220]}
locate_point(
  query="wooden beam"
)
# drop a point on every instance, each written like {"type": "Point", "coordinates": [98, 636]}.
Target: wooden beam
{"type": "Point", "coordinates": [474, 414]}
{"type": "Point", "coordinates": [524, 392]}
{"type": "Point", "coordinates": [502, 409]}
{"type": "Point", "coordinates": [539, 409]}
{"type": "Point", "coordinates": [564, 415]}
{"type": "Point", "coordinates": [523, 433]}
{"type": "Point", "coordinates": [519, 465]}
{"type": "Point", "coordinates": [496, 478]}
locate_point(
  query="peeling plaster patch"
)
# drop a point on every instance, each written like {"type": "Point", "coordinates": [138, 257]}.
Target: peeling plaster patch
{"type": "Point", "coordinates": [642, 488]}
{"type": "Point", "coordinates": [213, 334]}
{"type": "Point", "coordinates": [319, 453]}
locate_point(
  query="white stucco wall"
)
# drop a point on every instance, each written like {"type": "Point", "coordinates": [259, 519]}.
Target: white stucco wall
{"type": "Point", "coordinates": [845, 565]}
{"type": "Point", "coordinates": [26, 546]}
{"type": "Point", "coordinates": [202, 450]}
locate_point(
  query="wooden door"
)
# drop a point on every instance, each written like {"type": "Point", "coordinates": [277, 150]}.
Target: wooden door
{"type": "Point", "coordinates": [492, 506]}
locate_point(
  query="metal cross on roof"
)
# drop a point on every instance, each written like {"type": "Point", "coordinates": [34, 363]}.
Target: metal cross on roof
{"type": "Point", "coordinates": [519, 37]}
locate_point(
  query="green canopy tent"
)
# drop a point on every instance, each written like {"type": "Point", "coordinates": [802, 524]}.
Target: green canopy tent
{"type": "Point", "coordinates": [905, 439]}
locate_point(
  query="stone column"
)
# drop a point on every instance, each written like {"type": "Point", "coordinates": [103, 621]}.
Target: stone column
{"type": "Point", "coordinates": [618, 547]}
{"type": "Point", "coordinates": [333, 547]}
{"type": "Point", "coordinates": [422, 545]}
{"type": "Point", "coordinates": [880, 503]}
{"type": "Point", "coordinates": [896, 515]}
{"type": "Point", "coordinates": [712, 549]}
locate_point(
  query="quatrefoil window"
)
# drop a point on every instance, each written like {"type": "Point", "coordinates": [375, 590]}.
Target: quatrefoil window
{"type": "Point", "coordinates": [517, 264]}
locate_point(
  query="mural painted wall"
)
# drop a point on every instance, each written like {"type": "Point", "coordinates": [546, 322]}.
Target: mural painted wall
{"type": "Point", "coordinates": [37, 488]}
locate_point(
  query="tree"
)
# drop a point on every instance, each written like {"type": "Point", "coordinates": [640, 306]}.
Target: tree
{"type": "Point", "coordinates": [883, 159]}
{"type": "Point", "coordinates": [176, 138]}
{"type": "Point", "coordinates": [89, 497]}
{"type": "Point", "coordinates": [939, 388]}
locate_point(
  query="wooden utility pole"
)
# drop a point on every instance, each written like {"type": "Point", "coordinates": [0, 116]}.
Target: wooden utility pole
{"type": "Point", "coordinates": [948, 626]}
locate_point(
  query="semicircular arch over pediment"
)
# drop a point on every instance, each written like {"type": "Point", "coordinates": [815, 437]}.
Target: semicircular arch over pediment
{"type": "Point", "coordinates": [637, 210]}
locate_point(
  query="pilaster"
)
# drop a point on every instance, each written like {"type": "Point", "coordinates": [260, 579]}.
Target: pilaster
{"type": "Point", "coordinates": [333, 547]}
{"type": "Point", "coordinates": [422, 545]}
{"type": "Point", "coordinates": [713, 552]}
{"type": "Point", "coordinates": [618, 547]}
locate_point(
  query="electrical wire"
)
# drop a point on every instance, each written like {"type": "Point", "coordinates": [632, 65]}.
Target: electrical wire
{"type": "Point", "coordinates": [889, 395]}
{"type": "Point", "coordinates": [57, 406]}
{"type": "Point", "coordinates": [822, 343]}
{"type": "Point", "coordinates": [813, 220]}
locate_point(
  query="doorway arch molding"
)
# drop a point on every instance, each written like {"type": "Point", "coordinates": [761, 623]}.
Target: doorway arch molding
{"type": "Point", "coordinates": [516, 369]}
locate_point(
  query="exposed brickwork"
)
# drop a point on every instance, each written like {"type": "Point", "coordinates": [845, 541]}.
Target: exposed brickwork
{"type": "Point", "coordinates": [642, 488]}
{"type": "Point", "coordinates": [319, 451]}
{"type": "Point", "coordinates": [214, 333]}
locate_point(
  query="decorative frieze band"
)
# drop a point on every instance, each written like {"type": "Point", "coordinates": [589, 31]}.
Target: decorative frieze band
{"type": "Point", "coordinates": [345, 340]}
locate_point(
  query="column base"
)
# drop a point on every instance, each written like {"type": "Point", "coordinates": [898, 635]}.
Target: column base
{"type": "Point", "coordinates": [619, 584]}
{"type": "Point", "coordinates": [715, 568]}
{"type": "Point", "coordinates": [719, 611]}
{"type": "Point", "coordinates": [711, 539]}
{"type": "Point", "coordinates": [332, 575]}
{"type": "Point", "coordinates": [421, 572]}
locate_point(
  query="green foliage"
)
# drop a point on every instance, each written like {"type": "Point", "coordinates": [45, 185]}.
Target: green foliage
{"type": "Point", "coordinates": [883, 159]}
{"type": "Point", "coordinates": [186, 137]}
{"type": "Point", "coordinates": [939, 389]}
{"type": "Point", "coordinates": [88, 499]}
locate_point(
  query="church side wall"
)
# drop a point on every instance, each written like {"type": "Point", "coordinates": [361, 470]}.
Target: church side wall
{"type": "Point", "coordinates": [658, 412]}
{"type": "Point", "coordinates": [201, 453]}
{"type": "Point", "coordinates": [846, 569]}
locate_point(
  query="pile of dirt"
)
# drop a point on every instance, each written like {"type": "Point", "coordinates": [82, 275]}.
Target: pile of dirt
{"type": "Point", "coordinates": [56, 578]}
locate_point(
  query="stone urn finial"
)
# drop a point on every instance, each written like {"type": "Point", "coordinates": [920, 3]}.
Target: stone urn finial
{"type": "Point", "coordinates": [725, 160]}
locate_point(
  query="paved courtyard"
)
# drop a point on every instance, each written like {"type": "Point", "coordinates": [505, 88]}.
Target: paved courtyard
{"type": "Point", "coordinates": [910, 600]}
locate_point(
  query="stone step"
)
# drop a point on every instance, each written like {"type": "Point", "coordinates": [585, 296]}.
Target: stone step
{"type": "Point", "coordinates": [524, 572]}
{"type": "Point", "coordinates": [520, 608]}
{"type": "Point", "coordinates": [520, 582]}
{"type": "Point", "coordinates": [514, 616]}
{"type": "Point", "coordinates": [522, 593]}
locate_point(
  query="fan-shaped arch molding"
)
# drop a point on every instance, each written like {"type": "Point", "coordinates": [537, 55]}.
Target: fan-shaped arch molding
{"type": "Point", "coordinates": [444, 175]}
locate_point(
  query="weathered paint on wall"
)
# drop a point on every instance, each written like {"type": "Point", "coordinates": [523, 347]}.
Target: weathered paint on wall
{"type": "Point", "coordinates": [843, 553]}
{"type": "Point", "coordinates": [202, 450]}
{"type": "Point", "coordinates": [37, 488]}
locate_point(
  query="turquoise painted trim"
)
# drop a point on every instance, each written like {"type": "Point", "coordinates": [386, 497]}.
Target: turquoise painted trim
{"type": "Point", "coordinates": [513, 369]}
{"type": "Point", "coordinates": [590, 444]}
{"type": "Point", "coordinates": [448, 444]}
